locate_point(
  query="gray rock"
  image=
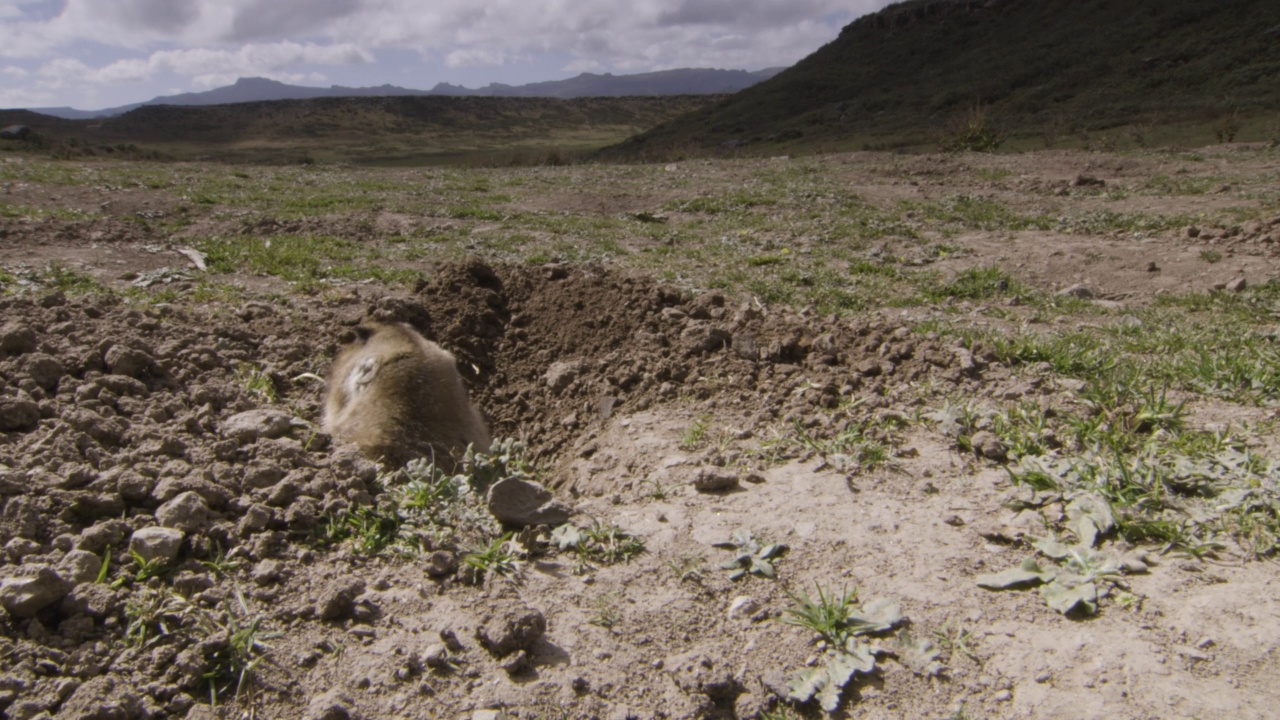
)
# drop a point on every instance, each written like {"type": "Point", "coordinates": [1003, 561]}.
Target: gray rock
{"type": "Point", "coordinates": [712, 479]}
{"type": "Point", "coordinates": [103, 534]}
{"type": "Point", "coordinates": [521, 502]}
{"type": "Point", "coordinates": [338, 600]}
{"type": "Point", "coordinates": [157, 543]}
{"type": "Point", "coordinates": [441, 563]}
{"type": "Point", "coordinates": [743, 606]}
{"type": "Point", "coordinates": [989, 446]}
{"type": "Point", "coordinates": [252, 425]}
{"type": "Point", "coordinates": [187, 512]}
{"type": "Point", "coordinates": [1237, 285]}
{"type": "Point", "coordinates": [329, 705]}
{"type": "Point", "coordinates": [560, 375]}
{"type": "Point", "coordinates": [19, 548]}
{"type": "Point", "coordinates": [127, 361]}
{"type": "Point", "coordinates": [33, 590]}
{"type": "Point", "coordinates": [80, 566]}
{"type": "Point", "coordinates": [1081, 291]}
{"type": "Point", "coordinates": [16, 339]}
{"type": "Point", "coordinates": [511, 627]}
{"type": "Point", "coordinates": [44, 369]}
{"type": "Point", "coordinates": [18, 414]}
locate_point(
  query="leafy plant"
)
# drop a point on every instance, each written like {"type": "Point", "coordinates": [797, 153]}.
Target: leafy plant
{"type": "Point", "coordinates": [837, 619]}
{"type": "Point", "coordinates": [1079, 574]}
{"type": "Point", "coordinates": [498, 557]}
{"type": "Point", "coordinates": [750, 557]}
{"type": "Point", "coordinates": [599, 542]}
{"type": "Point", "coordinates": [257, 382]}
{"type": "Point", "coordinates": [238, 647]}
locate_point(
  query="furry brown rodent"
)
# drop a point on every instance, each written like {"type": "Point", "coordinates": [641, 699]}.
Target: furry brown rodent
{"type": "Point", "coordinates": [398, 396]}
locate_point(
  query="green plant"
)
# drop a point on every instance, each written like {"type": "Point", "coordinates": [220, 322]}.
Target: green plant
{"type": "Point", "coordinates": [971, 132]}
{"type": "Point", "coordinates": [1210, 256]}
{"type": "Point", "coordinates": [235, 647]}
{"type": "Point", "coordinates": [750, 557]}
{"type": "Point", "coordinates": [954, 639]}
{"type": "Point", "coordinates": [599, 542]}
{"type": "Point", "coordinates": [837, 619]}
{"type": "Point", "coordinates": [499, 557]}
{"type": "Point", "coordinates": [256, 382]}
{"type": "Point", "coordinates": [607, 614]}
{"type": "Point", "coordinates": [696, 436]}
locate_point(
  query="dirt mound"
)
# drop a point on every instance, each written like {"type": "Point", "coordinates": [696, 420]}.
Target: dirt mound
{"type": "Point", "coordinates": [188, 434]}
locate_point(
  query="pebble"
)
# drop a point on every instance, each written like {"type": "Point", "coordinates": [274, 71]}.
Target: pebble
{"type": "Point", "coordinates": [1002, 696]}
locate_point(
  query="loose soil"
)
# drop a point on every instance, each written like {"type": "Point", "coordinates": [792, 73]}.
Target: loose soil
{"type": "Point", "coordinates": [626, 390]}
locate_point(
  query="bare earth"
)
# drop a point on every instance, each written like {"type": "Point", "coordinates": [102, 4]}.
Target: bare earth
{"type": "Point", "coordinates": [627, 387]}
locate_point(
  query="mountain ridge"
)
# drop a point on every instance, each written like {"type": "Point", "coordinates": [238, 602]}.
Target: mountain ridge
{"type": "Point", "coordinates": [681, 81]}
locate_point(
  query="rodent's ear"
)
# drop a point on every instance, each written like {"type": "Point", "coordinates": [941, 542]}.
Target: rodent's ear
{"type": "Point", "coordinates": [364, 332]}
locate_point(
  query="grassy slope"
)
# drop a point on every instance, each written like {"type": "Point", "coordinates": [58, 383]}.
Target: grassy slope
{"type": "Point", "coordinates": [901, 75]}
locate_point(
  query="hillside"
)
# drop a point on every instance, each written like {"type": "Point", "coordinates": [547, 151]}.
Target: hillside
{"type": "Point", "coordinates": [1041, 69]}
{"type": "Point", "coordinates": [683, 81]}
{"type": "Point", "coordinates": [373, 130]}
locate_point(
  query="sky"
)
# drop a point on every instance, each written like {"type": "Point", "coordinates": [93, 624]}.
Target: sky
{"type": "Point", "coordinates": [92, 54]}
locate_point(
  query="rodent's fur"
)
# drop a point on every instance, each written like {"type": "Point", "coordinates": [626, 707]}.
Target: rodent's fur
{"type": "Point", "coordinates": [398, 396]}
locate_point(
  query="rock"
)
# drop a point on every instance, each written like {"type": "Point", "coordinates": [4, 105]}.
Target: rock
{"type": "Point", "coordinates": [989, 446]}
{"type": "Point", "coordinates": [187, 512]}
{"type": "Point", "coordinates": [267, 572]}
{"type": "Point", "coordinates": [521, 502]}
{"type": "Point", "coordinates": [18, 414]}
{"type": "Point", "coordinates": [1153, 267]}
{"type": "Point", "coordinates": [252, 425]}
{"type": "Point", "coordinates": [157, 543]}
{"type": "Point", "coordinates": [1236, 285]}
{"type": "Point", "coordinates": [102, 535]}
{"type": "Point", "coordinates": [329, 705]}
{"type": "Point", "coordinates": [16, 339]}
{"type": "Point", "coordinates": [127, 361]}
{"type": "Point", "coordinates": [19, 548]}
{"type": "Point", "coordinates": [516, 663]}
{"type": "Point", "coordinates": [80, 566]}
{"type": "Point", "coordinates": [338, 600]}
{"type": "Point", "coordinates": [712, 479]}
{"type": "Point", "coordinates": [44, 369]}
{"type": "Point", "coordinates": [1080, 291]}
{"type": "Point", "coordinates": [1089, 181]}
{"type": "Point", "coordinates": [513, 627]}
{"type": "Point", "coordinates": [103, 698]}
{"type": "Point", "coordinates": [441, 563]}
{"type": "Point", "coordinates": [561, 374]}
{"type": "Point", "coordinates": [743, 606]}
{"type": "Point", "coordinates": [36, 588]}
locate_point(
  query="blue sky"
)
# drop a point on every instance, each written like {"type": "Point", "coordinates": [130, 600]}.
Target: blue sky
{"type": "Point", "coordinates": [91, 54]}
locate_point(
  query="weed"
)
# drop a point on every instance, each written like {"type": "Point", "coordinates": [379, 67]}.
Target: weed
{"type": "Point", "coordinates": [498, 557]}
{"type": "Point", "coordinates": [696, 435]}
{"type": "Point", "coordinates": [955, 639]}
{"type": "Point", "coordinates": [256, 382]}
{"type": "Point", "coordinates": [1210, 256]}
{"type": "Point", "coordinates": [599, 542]}
{"type": "Point", "coordinates": [687, 567]}
{"type": "Point", "coordinates": [238, 646]}
{"type": "Point", "coordinates": [607, 614]}
{"type": "Point", "coordinates": [750, 557]}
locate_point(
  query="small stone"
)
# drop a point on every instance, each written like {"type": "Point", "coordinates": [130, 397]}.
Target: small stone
{"type": "Point", "coordinates": [187, 512]}
{"type": "Point", "coordinates": [338, 600]}
{"type": "Point", "coordinates": [16, 339]}
{"type": "Point", "coordinates": [743, 606]}
{"type": "Point", "coordinates": [330, 705]}
{"type": "Point", "coordinates": [253, 425]}
{"type": "Point", "coordinates": [517, 663]}
{"type": "Point", "coordinates": [436, 657]}
{"type": "Point", "coordinates": [1080, 291]}
{"type": "Point", "coordinates": [1236, 285]}
{"type": "Point", "coordinates": [80, 566]}
{"type": "Point", "coordinates": [18, 414]}
{"type": "Point", "coordinates": [45, 370]}
{"type": "Point", "coordinates": [515, 627]}
{"type": "Point", "coordinates": [711, 479]}
{"type": "Point", "coordinates": [441, 563]}
{"type": "Point", "coordinates": [521, 503]}
{"type": "Point", "coordinates": [1043, 677]}
{"type": "Point", "coordinates": [127, 361]}
{"type": "Point", "coordinates": [157, 543]}
{"type": "Point", "coordinates": [560, 375]}
{"type": "Point", "coordinates": [1002, 696]}
{"type": "Point", "coordinates": [989, 446]}
{"type": "Point", "coordinates": [1153, 267]}
{"type": "Point", "coordinates": [35, 589]}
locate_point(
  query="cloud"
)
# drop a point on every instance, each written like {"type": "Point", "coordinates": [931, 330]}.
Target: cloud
{"type": "Point", "coordinates": [282, 18]}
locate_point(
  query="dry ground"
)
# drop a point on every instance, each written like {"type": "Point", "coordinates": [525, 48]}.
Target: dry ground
{"type": "Point", "coordinates": [833, 341]}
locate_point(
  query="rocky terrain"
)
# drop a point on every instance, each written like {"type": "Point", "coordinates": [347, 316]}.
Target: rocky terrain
{"type": "Point", "coordinates": [180, 540]}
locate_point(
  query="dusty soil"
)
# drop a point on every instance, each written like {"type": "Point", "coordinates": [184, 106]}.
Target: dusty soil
{"type": "Point", "coordinates": [113, 410]}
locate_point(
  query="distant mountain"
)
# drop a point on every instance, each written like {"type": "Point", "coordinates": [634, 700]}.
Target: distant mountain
{"type": "Point", "coordinates": [688, 81]}
{"type": "Point", "coordinates": [1034, 68]}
